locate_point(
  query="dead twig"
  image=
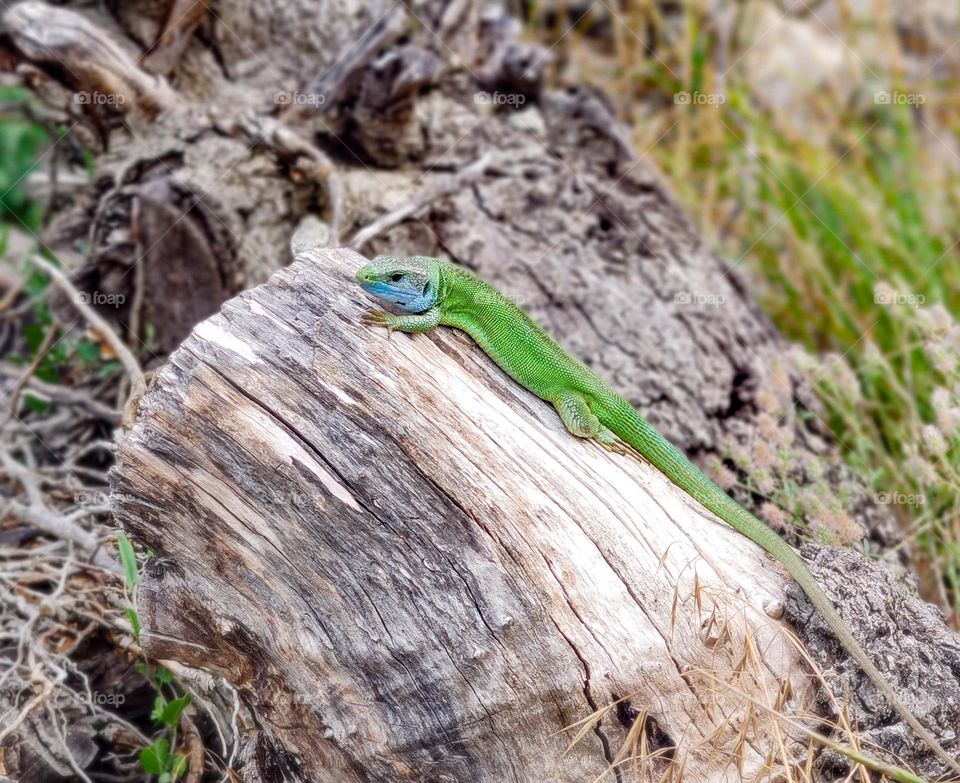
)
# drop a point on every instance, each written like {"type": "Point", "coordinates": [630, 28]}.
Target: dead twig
{"type": "Point", "coordinates": [42, 351]}
{"type": "Point", "coordinates": [120, 349]}
{"type": "Point", "coordinates": [194, 748]}
{"type": "Point", "coordinates": [63, 395]}
{"type": "Point", "coordinates": [428, 195]}
{"type": "Point", "coordinates": [29, 707]}
{"type": "Point", "coordinates": [56, 525]}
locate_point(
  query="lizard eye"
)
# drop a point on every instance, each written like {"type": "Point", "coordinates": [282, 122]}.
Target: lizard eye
{"type": "Point", "coordinates": [396, 277]}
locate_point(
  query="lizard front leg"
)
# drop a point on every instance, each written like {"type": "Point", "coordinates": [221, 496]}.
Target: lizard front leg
{"type": "Point", "coordinates": [421, 322]}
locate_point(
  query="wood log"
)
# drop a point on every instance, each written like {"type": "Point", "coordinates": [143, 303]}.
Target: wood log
{"type": "Point", "coordinates": [410, 571]}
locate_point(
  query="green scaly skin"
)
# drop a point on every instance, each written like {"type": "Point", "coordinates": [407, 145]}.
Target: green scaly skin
{"type": "Point", "coordinates": [433, 292]}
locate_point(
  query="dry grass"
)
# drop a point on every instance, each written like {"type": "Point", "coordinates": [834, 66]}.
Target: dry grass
{"type": "Point", "coordinates": [763, 729]}
{"type": "Point", "coordinates": [837, 208]}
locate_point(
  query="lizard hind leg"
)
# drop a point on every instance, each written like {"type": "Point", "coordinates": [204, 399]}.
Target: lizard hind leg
{"type": "Point", "coordinates": [580, 421]}
{"type": "Point", "coordinates": [576, 415]}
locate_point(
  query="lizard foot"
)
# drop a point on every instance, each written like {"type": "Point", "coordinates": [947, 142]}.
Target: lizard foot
{"type": "Point", "coordinates": [610, 441]}
{"type": "Point", "coordinates": [613, 444]}
{"type": "Point", "coordinates": [377, 318]}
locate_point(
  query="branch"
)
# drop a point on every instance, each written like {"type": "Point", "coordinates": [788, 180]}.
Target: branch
{"type": "Point", "coordinates": [127, 359]}
{"type": "Point", "coordinates": [426, 196]}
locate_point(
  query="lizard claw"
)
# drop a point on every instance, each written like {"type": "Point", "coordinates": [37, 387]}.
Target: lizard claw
{"type": "Point", "coordinates": [376, 318]}
{"type": "Point", "coordinates": [614, 448]}
{"type": "Point", "coordinates": [622, 449]}
{"type": "Point", "coordinates": [611, 442]}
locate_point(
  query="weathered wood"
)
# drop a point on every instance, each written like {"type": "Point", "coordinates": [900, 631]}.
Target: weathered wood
{"type": "Point", "coordinates": [410, 570]}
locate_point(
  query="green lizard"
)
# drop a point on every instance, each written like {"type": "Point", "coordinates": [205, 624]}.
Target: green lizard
{"type": "Point", "coordinates": [430, 292]}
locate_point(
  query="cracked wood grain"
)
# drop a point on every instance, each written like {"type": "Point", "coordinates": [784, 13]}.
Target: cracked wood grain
{"type": "Point", "coordinates": [408, 568]}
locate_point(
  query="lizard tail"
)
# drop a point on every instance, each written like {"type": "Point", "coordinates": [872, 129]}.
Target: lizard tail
{"type": "Point", "coordinates": [624, 421]}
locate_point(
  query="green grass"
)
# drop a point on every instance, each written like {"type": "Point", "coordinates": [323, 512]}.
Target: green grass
{"type": "Point", "coordinates": [825, 222]}
{"type": "Point", "coordinates": [20, 144]}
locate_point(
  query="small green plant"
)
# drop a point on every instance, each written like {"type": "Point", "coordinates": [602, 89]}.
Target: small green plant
{"type": "Point", "coordinates": [128, 562]}
{"type": "Point", "coordinates": [906, 428]}
{"type": "Point", "coordinates": [157, 758]}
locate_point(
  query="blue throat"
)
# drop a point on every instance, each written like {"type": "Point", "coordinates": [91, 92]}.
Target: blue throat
{"type": "Point", "coordinates": [402, 298]}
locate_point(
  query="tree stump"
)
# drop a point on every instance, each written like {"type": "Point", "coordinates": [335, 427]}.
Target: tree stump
{"type": "Point", "coordinates": [410, 571]}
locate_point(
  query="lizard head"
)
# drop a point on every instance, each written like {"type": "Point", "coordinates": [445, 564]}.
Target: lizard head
{"type": "Point", "coordinates": [409, 284]}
